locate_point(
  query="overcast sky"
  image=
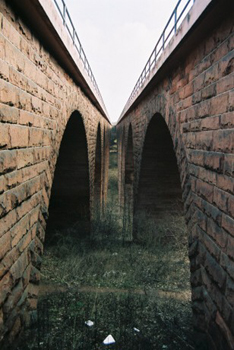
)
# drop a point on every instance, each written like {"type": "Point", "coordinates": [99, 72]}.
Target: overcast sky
{"type": "Point", "coordinates": [118, 37]}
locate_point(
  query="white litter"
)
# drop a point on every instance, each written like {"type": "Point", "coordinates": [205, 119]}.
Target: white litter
{"type": "Point", "coordinates": [136, 329]}
{"type": "Point", "coordinates": [89, 323]}
{"type": "Point", "coordinates": [109, 340]}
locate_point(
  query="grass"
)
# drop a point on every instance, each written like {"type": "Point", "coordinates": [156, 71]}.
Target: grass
{"type": "Point", "coordinates": [62, 316]}
{"type": "Point", "coordinates": [113, 263]}
{"type": "Point", "coordinates": [118, 285]}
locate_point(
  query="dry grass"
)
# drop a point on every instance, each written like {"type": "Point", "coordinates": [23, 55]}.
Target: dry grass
{"type": "Point", "coordinates": [118, 285]}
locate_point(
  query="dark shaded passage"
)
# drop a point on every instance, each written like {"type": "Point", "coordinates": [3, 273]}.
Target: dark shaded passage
{"type": "Point", "coordinates": [69, 203]}
{"type": "Point", "coordinates": [159, 189]}
{"type": "Point", "coordinates": [128, 183]}
{"type": "Point", "coordinates": [98, 171]}
{"type": "Point", "coordinates": [129, 162]}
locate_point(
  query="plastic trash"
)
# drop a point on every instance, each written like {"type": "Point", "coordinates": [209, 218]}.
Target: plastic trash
{"type": "Point", "coordinates": [109, 340]}
{"type": "Point", "coordinates": [89, 323]}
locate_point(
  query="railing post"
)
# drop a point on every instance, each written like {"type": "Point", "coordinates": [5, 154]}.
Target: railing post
{"type": "Point", "coordinates": [64, 13]}
{"type": "Point", "coordinates": [74, 35]}
{"type": "Point", "coordinates": [175, 19]}
{"type": "Point", "coordinates": [163, 39]}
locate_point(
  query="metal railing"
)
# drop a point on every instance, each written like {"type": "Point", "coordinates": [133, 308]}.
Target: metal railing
{"type": "Point", "coordinates": [168, 32]}
{"type": "Point", "coordinates": [68, 24]}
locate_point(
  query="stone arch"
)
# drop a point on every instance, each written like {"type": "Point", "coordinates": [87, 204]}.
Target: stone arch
{"type": "Point", "coordinates": [98, 172]}
{"type": "Point", "coordinates": [159, 186]}
{"type": "Point", "coordinates": [128, 185]}
{"type": "Point", "coordinates": [70, 194]}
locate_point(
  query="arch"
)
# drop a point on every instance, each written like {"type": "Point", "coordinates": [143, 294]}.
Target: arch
{"type": "Point", "coordinates": [69, 206]}
{"type": "Point", "coordinates": [98, 172]}
{"type": "Point", "coordinates": [159, 188]}
{"type": "Point", "coordinates": [128, 186]}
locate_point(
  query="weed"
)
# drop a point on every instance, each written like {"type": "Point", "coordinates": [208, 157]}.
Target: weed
{"type": "Point", "coordinates": [61, 323]}
{"type": "Point", "coordinates": [118, 285]}
{"type": "Point", "coordinates": [163, 232]}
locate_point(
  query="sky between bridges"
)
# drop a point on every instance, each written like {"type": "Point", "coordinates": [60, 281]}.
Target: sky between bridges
{"type": "Point", "coordinates": [118, 37]}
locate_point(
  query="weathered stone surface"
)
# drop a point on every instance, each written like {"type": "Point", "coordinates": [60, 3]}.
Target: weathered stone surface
{"type": "Point", "coordinates": [37, 99]}
{"type": "Point", "coordinates": [195, 98]}
{"type": "Point", "coordinates": [5, 287]}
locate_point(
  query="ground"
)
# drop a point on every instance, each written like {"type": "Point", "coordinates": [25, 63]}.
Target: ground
{"type": "Point", "coordinates": [137, 292]}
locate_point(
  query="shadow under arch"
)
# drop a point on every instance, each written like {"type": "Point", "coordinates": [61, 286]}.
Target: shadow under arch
{"type": "Point", "coordinates": [98, 173]}
{"type": "Point", "coordinates": [103, 189]}
{"type": "Point", "coordinates": [69, 207]}
{"type": "Point", "coordinates": [161, 204]}
{"type": "Point", "coordinates": [128, 187]}
{"type": "Point", "coordinates": [159, 187]}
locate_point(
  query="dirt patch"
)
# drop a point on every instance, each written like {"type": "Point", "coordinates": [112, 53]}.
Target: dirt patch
{"type": "Point", "coordinates": [46, 289]}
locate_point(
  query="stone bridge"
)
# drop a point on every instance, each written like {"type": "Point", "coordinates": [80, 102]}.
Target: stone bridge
{"type": "Point", "coordinates": [175, 148]}
{"type": "Point", "coordinates": [49, 105]}
{"type": "Point", "coordinates": [176, 144]}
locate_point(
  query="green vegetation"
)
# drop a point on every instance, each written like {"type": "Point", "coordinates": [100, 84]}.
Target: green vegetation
{"type": "Point", "coordinates": [118, 285]}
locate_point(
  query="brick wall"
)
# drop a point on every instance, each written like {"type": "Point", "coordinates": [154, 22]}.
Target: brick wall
{"type": "Point", "coordinates": [37, 98]}
{"type": "Point", "coordinates": [195, 98]}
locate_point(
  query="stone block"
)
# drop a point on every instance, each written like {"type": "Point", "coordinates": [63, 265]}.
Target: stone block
{"type": "Point", "coordinates": [229, 293]}
{"type": "Point", "coordinates": [35, 137]}
{"type": "Point", "coordinates": [5, 244]}
{"type": "Point", "coordinates": [205, 190]}
{"type": "Point", "coordinates": [4, 136]}
{"type": "Point", "coordinates": [204, 140]}
{"type": "Point", "coordinates": [13, 298]}
{"type": "Point", "coordinates": [19, 266]}
{"type": "Point", "coordinates": [19, 230]}
{"type": "Point", "coordinates": [8, 114]}
{"type": "Point", "coordinates": [220, 199]}
{"type": "Point", "coordinates": [217, 233]}
{"type": "Point", "coordinates": [228, 224]}
{"type": "Point", "coordinates": [5, 287]}
{"type": "Point", "coordinates": [224, 140]}
{"type": "Point", "coordinates": [225, 183]}
{"type": "Point", "coordinates": [25, 157]}
{"type": "Point", "coordinates": [230, 205]}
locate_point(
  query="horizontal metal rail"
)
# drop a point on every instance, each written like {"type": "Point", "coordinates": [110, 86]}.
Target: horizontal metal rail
{"type": "Point", "coordinates": [170, 29]}
{"type": "Point", "coordinates": [68, 24]}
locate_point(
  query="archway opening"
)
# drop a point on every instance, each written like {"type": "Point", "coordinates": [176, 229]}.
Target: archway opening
{"type": "Point", "coordinates": [128, 184]}
{"type": "Point", "coordinates": [69, 207]}
{"type": "Point", "coordinates": [159, 189]}
{"type": "Point", "coordinates": [159, 226]}
{"type": "Point", "coordinates": [98, 174]}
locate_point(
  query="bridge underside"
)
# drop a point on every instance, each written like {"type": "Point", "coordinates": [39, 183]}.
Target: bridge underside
{"type": "Point", "coordinates": [69, 209]}
{"type": "Point", "coordinates": [159, 189]}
